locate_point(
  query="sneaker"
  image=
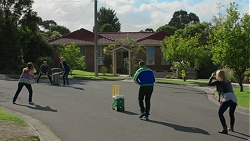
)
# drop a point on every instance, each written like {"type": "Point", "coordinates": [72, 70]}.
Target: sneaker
{"type": "Point", "coordinates": [142, 115]}
{"type": "Point", "coordinates": [146, 118]}
{"type": "Point", "coordinates": [13, 102]}
{"type": "Point", "coordinates": [31, 103]}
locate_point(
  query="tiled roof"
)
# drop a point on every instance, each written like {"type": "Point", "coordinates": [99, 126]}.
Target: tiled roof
{"type": "Point", "coordinates": [83, 36]}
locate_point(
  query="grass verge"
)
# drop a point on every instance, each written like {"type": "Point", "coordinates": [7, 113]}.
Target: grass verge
{"type": "Point", "coordinates": [242, 97]}
{"type": "Point", "coordinates": [10, 125]}
{"type": "Point", "coordinates": [4, 115]}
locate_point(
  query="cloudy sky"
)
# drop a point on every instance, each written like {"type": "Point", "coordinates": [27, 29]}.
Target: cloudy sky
{"type": "Point", "coordinates": [134, 15]}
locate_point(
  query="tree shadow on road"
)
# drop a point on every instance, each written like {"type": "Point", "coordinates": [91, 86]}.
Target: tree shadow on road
{"type": "Point", "coordinates": [181, 128]}
{"type": "Point", "coordinates": [38, 107]}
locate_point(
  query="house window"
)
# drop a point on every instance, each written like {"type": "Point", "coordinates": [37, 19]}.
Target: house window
{"type": "Point", "coordinates": [163, 60]}
{"type": "Point", "coordinates": [150, 56]}
{"type": "Point", "coordinates": [100, 56]}
{"type": "Point", "coordinates": [83, 51]}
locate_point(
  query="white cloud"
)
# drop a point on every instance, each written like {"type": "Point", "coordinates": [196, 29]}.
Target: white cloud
{"type": "Point", "coordinates": [133, 15]}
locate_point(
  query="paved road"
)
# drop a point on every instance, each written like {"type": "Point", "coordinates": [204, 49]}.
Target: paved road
{"type": "Point", "coordinates": [82, 112]}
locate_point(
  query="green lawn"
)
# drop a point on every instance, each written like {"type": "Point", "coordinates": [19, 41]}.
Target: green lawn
{"type": "Point", "coordinates": [10, 117]}
{"type": "Point", "coordinates": [243, 97]}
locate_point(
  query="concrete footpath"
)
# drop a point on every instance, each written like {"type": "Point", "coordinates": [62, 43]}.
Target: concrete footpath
{"type": "Point", "coordinates": [45, 134]}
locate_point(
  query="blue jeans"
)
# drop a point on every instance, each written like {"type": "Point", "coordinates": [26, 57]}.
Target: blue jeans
{"type": "Point", "coordinates": [65, 77]}
{"type": "Point", "coordinates": [145, 92]}
{"type": "Point", "coordinates": [223, 107]}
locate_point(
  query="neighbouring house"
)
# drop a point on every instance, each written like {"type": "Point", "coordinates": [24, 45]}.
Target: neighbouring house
{"type": "Point", "coordinates": [84, 39]}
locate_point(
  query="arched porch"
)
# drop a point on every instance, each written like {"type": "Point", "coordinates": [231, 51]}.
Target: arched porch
{"type": "Point", "coordinates": [125, 54]}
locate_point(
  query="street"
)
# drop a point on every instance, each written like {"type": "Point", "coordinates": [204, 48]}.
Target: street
{"type": "Point", "coordinates": [83, 111]}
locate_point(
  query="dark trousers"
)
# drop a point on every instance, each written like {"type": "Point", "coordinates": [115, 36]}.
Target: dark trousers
{"type": "Point", "coordinates": [145, 92]}
{"type": "Point", "coordinates": [40, 76]}
{"type": "Point", "coordinates": [223, 107]}
{"type": "Point", "coordinates": [65, 77]}
{"type": "Point", "coordinates": [20, 86]}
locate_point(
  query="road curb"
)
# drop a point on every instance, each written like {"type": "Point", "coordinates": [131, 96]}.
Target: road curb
{"type": "Point", "coordinates": [42, 131]}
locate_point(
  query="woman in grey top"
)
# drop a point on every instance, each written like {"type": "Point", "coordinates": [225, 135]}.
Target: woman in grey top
{"type": "Point", "coordinates": [224, 88]}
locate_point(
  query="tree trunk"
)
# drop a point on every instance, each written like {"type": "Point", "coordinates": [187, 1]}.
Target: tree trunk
{"type": "Point", "coordinates": [241, 87]}
{"type": "Point", "coordinates": [184, 78]}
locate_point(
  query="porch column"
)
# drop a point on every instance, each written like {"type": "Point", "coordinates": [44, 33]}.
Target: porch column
{"type": "Point", "coordinates": [129, 66]}
{"type": "Point", "coordinates": [114, 62]}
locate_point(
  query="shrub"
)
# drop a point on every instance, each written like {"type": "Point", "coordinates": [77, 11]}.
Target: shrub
{"type": "Point", "coordinates": [103, 70]}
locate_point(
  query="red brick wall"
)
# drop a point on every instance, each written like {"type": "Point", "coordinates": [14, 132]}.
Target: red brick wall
{"type": "Point", "coordinates": [89, 58]}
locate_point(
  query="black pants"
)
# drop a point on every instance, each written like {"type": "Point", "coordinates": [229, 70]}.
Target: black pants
{"type": "Point", "coordinates": [223, 107]}
{"type": "Point", "coordinates": [20, 86]}
{"type": "Point", "coordinates": [42, 74]}
{"type": "Point", "coordinates": [145, 92]}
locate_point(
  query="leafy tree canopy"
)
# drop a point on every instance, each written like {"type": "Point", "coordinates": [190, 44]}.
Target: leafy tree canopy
{"type": "Point", "coordinates": [106, 28]}
{"type": "Point", "coordinates": [181, 18]}
{"type": "Point", "coordinates": [61, 29]}
{"type": "Point", "coordinates": [72, 54]}
{"type": "Point", "coordinates": [108, 16]}
{"type": "Point", "coordinates": [46, 24]}
{"type": "Point", "coordinates": [183, 50]}
{"type": "Point", "coordinates": [167, 28]}
{"type": "Point", "coordinates": [230, 42]}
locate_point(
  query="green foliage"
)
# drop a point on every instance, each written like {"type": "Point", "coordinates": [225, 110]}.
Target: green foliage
{"type": "Point", "coordinates": [33, 45]}
{"type": "Point", "coordinates": [183, 74]}
{"type": "Point", "coordinates": [230, 42]}
{"type": "Point", "coordinates": [185, 51]}
{"type": "Point", "coordinates": [181, 18]}
{"type": "Point", "coordinates": [103, 70]}
{"type": "Point", "coordinates": [167, 28]}
{"type": "Point", "coordinates": [149, 30]}
{"type": "Point", "coordinates": [46, 24]}
{"type": "Point", "coordinates": [60, 29]}
{"type": "Point", "coordinates": [72, 55]}
{"type": "Point", "coordinates": [108, 16]}
{"type": "Point", "coordinates": [202, 63]}
{"type": "Point", "coordinates": [106, 28]}
{"type": "Point", "coordinates": [15, 15]}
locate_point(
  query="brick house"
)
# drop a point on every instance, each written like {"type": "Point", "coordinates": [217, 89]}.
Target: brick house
{"type": "Point", "coordinates": [84, 39]}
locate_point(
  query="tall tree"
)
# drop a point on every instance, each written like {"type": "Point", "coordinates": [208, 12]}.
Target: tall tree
{"type": "Point", "coordinates": [167, 28]}
{"type": "Point", "coordinates": [230, 42]}
{"type": "Point", "coordinates": [108, 16]}
{"type": "Point", "coordinates": [11, 13]}
{"type": "Point", "coordinates": [149, 30]}
{"type": "Point", "coordinates": [106, 28]}
{"type": "Point", "coordinates": [183, 50]}
{"type": "Point", "coordinates": [206, 67]}
{"type": "Point", "coordinates": [61, 29]}
{"type": "Point", "coordinates": [181, 18]}
{"type": "Point", "coordinates": [46, 24]}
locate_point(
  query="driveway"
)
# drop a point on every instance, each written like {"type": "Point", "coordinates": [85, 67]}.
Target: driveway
{"type": "Point", "coordinates": [83, 112]}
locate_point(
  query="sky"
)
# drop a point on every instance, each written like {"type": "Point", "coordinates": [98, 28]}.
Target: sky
{"type": "Point", "coordinates": [134, 15]}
